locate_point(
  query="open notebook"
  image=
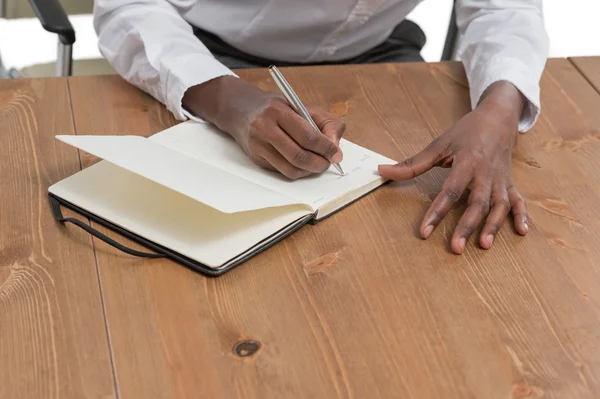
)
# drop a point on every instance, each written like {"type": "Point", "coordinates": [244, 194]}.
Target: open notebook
{"type": "Point", "coordinates": [191, 194]}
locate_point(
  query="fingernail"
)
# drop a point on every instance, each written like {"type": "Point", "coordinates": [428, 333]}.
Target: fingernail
{"type": "Point", "coordinates": [427, 231]}
{"type": "Point", "coordinates": [526, 225]}
{"type": "Point", "coordinates": [490, 239]}
{"type": "Point", "coordinates": [337, 157]}
{"type": "Point", "coordinates": [461, 242]}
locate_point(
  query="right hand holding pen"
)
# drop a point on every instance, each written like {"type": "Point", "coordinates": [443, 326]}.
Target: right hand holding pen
{"type": "Point", "coordinates": [269, 131]}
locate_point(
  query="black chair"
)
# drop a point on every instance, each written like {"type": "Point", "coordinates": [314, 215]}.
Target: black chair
{"type": "Point", "coordinates": [451, 37]}
{"type": "Point", "coordinates": [53, 19]}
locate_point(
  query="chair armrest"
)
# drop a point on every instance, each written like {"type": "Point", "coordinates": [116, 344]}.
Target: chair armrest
{"type": "Point", "coordinates": [451, 36]}
{"type": "Point", "coordinates": [54, 19]}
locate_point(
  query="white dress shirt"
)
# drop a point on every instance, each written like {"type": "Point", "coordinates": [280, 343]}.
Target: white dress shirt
{"type": "Point", "coordinates": [151, 43]}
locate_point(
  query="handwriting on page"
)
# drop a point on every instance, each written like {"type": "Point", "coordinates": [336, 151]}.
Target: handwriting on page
{"type": "Point", "coordinates": [364, 159]}
{"type": "Point", "coordinates": [331, 184]}
{"type": "Point", "coordinates": [356, 167]}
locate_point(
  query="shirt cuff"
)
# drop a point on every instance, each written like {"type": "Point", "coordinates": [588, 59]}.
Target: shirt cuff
{"type": "Point", "coordinates": [180, 79]}
{"type": "Point", "coordinates": [514, 71]}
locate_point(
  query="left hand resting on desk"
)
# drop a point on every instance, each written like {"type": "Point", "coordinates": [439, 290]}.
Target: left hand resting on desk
{"type": "Point", "coordinates": [478, 148]}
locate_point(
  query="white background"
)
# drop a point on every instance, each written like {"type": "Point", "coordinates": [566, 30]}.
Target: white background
{"type": "Point", "coordinates": [573, 27]}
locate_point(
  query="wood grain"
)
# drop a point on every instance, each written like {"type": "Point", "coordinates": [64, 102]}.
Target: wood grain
{"type": "Point", "coordinates": [53, 341]}
{"type": "Point", "coordinates": [358, 306]}
{"type": "Point", "coordinates": [589, 67]}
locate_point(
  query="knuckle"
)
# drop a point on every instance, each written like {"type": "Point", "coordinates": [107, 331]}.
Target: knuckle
{"type": "Point", "coordinates": [437, 215]}
{"type": "Point", "coordinates": [518, 216]}
{"type": "Point", "coordinates": [311, 139]}
{"type": "Point", "coordinates": [466, 229]}
{"type": "Point", "coordinates": [408, 164]}
{"type": "Point", "coordinates": [452, 194]}
{"type": "Point", "coordinates": [268, 111]}
{"type": "Point", "coordinates": [257, 124]}
{"type": "Point", "coordinates": [301, 158]}
{"type": "Point", "coordinates": [482, 204]}
{"type": "Point", "coordinates": [339, 127]}
{"type": "Point", "coordinates": [494, 228]}
{"type": "Point", "coordinates": [440, 154]}
{"type": "Point", "coordinates": [273, 104]}
{"type": "Point", "coordinates": [329, 149]}
{"type": "Point", "coordinates": [477, 155]}
{"type": "Point", "coordinates": [253, 145]}
{"type": "Point", "coordinates": [336, 125]}
{"type": "Point", "coordinates": [502, 199]}
{"type": "Point", "coordinates": [475, 159]}
{"type": "Point", "coordinates": [512, 189]}
{"type": "Point", "coordinates": [517, 199]}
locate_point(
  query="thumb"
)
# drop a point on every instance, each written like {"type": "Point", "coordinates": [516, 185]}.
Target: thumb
{"type": "Point", "coordinates": [412, 167]}
{"type": "Point", "coordinates": [330, 125]}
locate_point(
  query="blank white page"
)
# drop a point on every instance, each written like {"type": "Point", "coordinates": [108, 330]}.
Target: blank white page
{"type": "Point", "coordinates": [198, 180]}
{"type": "Point", "coordinates": [171, 219]}
{"type": "Point", "coordinates": [205, 142]}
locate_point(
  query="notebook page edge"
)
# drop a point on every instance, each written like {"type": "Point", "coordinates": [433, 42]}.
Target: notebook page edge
{"type": "Point", "coordinates": [73, 139]}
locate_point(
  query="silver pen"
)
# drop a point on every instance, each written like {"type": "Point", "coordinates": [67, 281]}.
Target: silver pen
{"type": "Point", "coordinates": [295, 102]}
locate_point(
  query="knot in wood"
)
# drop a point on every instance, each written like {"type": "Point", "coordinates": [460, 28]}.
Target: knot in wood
{"type": "Point", "coordinates": [246, 348]}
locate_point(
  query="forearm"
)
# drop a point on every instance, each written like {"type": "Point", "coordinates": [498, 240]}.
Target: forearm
{"type": "Point", "coordinates": [150, 45]}
{"type": "Point", "coordinates": [504, 41]}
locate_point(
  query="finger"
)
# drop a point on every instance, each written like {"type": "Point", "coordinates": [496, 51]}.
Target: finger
{"type": "Point", "coordinates": [500, 206]}
{"type": "Point", "coordinates": [417, 165]}
{"type": "Point", "coordinates": [478, 207]}
{"type": "Point", "coordinates": [308, 138]}
{"type": "Point", "coordinates": [294, 153]}
{"type": "Point", "coordinates": [268, 156]}
{"type": "Point", "coordinates": [519, 210]}
{"type": "Point", "coordinates": [263, 163]}
{"type": "Point", "coordinates": [452, 191]}
{"type": "Point", "coordinates": [330, 125]}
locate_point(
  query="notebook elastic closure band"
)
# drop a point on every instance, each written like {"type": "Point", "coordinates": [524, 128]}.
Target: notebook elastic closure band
{"type": "Point", "coordinates": [55, 205]}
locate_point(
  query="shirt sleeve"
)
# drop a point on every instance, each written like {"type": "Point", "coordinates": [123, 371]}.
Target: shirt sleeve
{"type": "Point", "coordinates": [150, 45]}
{"type": "Point", "coordinates": [504, 40]}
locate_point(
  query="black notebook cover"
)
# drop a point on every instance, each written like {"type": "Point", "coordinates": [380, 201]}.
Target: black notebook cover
{"type": "Point", "coordinates": [164, 252]}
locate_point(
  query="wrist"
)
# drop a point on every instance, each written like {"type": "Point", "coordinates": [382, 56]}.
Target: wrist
{"type": "Point", "coordinates": [206, 100]}
{"type": "Point", "coordinates": [503, 100]}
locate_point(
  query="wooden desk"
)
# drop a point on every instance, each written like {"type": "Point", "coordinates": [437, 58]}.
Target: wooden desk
{"type": "Point", "coordinates": [589, 68]}
{"type": "Point", "coordinates": [356, 307]}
